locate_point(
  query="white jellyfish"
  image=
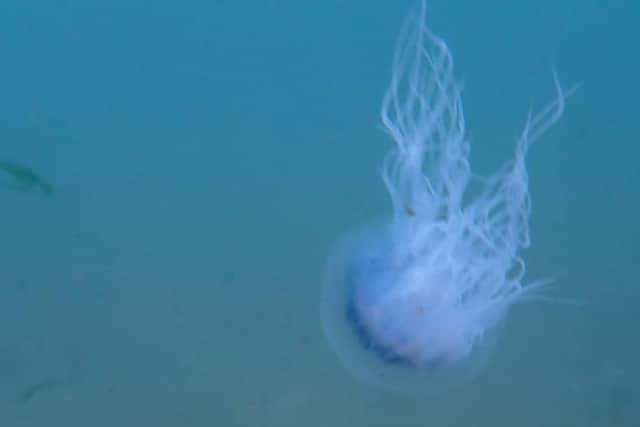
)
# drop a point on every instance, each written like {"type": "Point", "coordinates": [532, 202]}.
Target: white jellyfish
{"type": "Point", "coordinates": [414, 302]}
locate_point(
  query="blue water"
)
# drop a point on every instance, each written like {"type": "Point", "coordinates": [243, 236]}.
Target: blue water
{"type": "Point", "coordinates": [204, 157]}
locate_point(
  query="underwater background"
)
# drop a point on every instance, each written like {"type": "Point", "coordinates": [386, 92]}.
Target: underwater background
{"type": "Point", "coordinates": [173, 175]}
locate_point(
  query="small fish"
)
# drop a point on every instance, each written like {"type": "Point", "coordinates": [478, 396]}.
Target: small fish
{"type": "Point", "coordinates": [409, 211]}
{"type": "Point", "coordinates": [26, 178]}
{"type": "Point", "coordinates": [37, 388]}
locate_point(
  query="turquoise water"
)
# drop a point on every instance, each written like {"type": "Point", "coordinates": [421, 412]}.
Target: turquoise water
{"type": "Point", "coordinates": [205, 156]}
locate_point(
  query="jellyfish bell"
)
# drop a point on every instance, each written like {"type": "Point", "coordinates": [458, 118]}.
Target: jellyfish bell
{"type": "Point", "coordinates": [415, 303]}
{"type": "Point", "coordinates": [392, 329]}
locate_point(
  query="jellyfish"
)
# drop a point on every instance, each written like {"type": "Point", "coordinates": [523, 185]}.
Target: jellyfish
{"type": "Point", "coordinates": [415, 302]}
